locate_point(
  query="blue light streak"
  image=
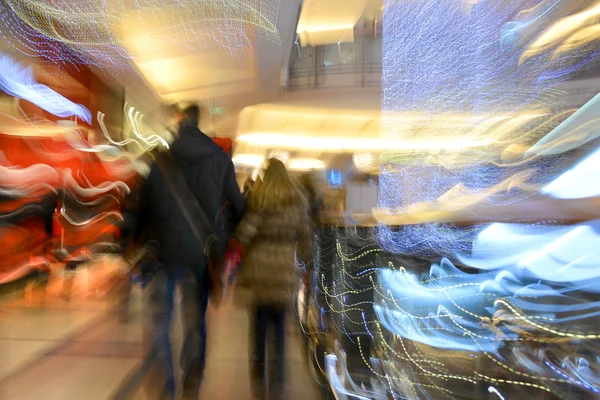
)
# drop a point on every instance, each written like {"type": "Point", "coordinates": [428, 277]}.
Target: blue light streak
{"type": "Point", "coordinates": [579, 129]}
{"type": "Point", "coordinates": [486, 313]}
{"type": "Point", "coordinates": [552, 253]}
{"type": "Point", "coordinates": [581, 181]}
{"type": "Point", "coordinates": [18, 81]}
{"type": "Point", "coordinates": [529, 22]}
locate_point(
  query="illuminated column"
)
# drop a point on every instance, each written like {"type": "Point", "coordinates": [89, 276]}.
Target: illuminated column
{"type": "Point", "coordinates": [448, 70]}
{"type": "Point", "coordinates": [449, 65]}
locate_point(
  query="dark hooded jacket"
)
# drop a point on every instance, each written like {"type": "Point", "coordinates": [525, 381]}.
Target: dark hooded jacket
{"type": "Point", "coordinates": [211, 176]}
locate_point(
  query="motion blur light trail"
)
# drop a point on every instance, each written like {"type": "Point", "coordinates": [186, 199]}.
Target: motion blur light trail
{"type": "Point", "coordinates": [551, 253]}
{"type": "Point", "coordinates": [579, 129]}
{"type": "Point", "coordinates": [31, 43]}
{"type": "Point", "coordinates": [441, 58]}
{"type": "Point", "coordinates": [18, 81]}
{"type": "Point", "coordinates": [111, 33]}
{"type": "Point", "coordinates": [569, 33]}
{"type": "Point", "coordinates": [491, 314]}
{"type": "Point", "coordinates": [62, 194]}
{"type": "Point", "coordinates": [150, 139]}
{"type": "Point", "coordinates": [444, 331]}
{"type": "Point", "coordinates": [26, 181]}
{"type": "Point", "coordinates": [512, 309]}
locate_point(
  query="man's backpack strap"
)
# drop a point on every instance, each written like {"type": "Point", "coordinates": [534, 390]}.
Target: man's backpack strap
{"type": "Point", "coordinates": [197, 220]}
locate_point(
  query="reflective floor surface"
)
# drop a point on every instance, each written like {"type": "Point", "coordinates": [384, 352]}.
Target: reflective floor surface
{"type": "Point", "coordinates": [52, 347]}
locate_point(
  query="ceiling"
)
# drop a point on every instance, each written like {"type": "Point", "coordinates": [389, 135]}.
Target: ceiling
{"type": "Point", "coordinates": [202, 63]}
{"type": "Point", "coordinates": [237, 62]}
{"type": "Point", "coordinates": [230, 54]}
{"type": "Point", "coordinates": [184, 50]}
{"type": "Point", "coordinates": [350, 122]}
{"type": "Point", "coordinates": [164, 52]}
{"type": "Point", "coordinates": [333, 21]}
{"type": "Point", "coordinates": [308, 127]}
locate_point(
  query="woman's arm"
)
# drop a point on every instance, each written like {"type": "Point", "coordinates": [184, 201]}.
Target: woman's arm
{"type": "Point", "coordinates": [304, 235]}
{"type": "Point", "coordinates": [248, 228]}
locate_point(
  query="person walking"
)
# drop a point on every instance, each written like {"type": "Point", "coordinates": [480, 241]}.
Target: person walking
{"type": "Point", "coordinates": [248, 185]}
{"type": "Point", "coordinates": [314, 195]}
{"type": "Point", "coordinates": [210, 178]}
{"type": "Point", "coordinates": [274, 228]}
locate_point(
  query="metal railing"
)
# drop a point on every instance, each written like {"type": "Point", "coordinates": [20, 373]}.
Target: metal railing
{"type": "Point", "coordinates": [354, 64]}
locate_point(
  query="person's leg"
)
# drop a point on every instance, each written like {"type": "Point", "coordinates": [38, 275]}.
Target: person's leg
{"type": "Point", "coordinates": [259, 320]}
{"type": "Point", "coordinates": [69, 278]}
{"type": "Point", "coordinates": [194, 289]}
{"type": "Point", "coordinates": [203, 301]}
{"type": "Point", "coordinates": [161, 376]}
{"type": "Point", "coordinates": [277, 314]}
{"type": "Point", "coordinates": [40, 285]}
{"type": "Point", "coordinates": [123, 296]}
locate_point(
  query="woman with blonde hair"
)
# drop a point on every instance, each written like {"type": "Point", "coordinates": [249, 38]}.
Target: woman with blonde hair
{"type": "Point", "coordinates": [274, 229]}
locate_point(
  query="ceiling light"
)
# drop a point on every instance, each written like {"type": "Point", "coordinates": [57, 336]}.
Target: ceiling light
{"type": "Point", "coordinates": [280, 155]}
{"type": "Point", "coordinates": [305, 164]}
{"type": "Point", "coordinates": [295, 164]}
{"type": "Point", "coordinates": [352, 144]}
{"type": "Point", "coordinates": [365, 162]}
{"type": "Point", "coordinates": [248, 160]}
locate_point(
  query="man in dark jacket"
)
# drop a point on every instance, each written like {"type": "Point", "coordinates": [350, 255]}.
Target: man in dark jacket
{"type": "Point", "coordinates": [210, 174]}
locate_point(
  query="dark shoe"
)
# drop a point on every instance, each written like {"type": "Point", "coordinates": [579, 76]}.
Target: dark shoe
{"type": "Point", "coordinates": [167, 393]}
{"type": "Point", "coordinates": [277, 391]}
{"type": "Point", "coordinates": [259, 390]}
{"type": "Point", "coordinates": [124, 316]}
{"type": "Point", "coordinates": [257, 372]}
{"type": "Point", "coordinates": [190, 388]}
{"type": "Point", "coordinates": [65, 295]}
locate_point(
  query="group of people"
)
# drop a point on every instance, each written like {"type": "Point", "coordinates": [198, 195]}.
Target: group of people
{"type": "Point", "coordinates": [269, 225]}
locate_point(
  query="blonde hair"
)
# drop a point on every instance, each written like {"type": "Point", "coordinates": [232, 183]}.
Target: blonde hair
{"type": "Point", "coordinates": [276, 190]}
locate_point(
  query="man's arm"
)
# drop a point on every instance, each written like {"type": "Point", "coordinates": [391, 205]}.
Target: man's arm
{"type": "Point", "coordinates": [139, 211]}
{"type": "Point", "coordinates": [49, 205]}
{"type": "Point", "coordinates": [233, 195]}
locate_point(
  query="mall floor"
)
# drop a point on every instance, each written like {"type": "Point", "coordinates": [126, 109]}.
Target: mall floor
{"type": "Point", "coordinates": [51, 348]}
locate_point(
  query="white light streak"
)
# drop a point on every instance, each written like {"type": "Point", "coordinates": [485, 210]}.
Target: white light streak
{"type": "Point", "coordinates": [18, 81]}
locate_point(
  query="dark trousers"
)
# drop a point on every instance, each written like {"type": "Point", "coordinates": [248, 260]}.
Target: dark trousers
{"type": "Point", "coordinates": [72, 266]}
{"type": "Point", "coordinates": [194, 289]}
{"type": "Point", "coordinates": [261, 317]}
{"type": "Point", "coordinates": [70, 271]}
